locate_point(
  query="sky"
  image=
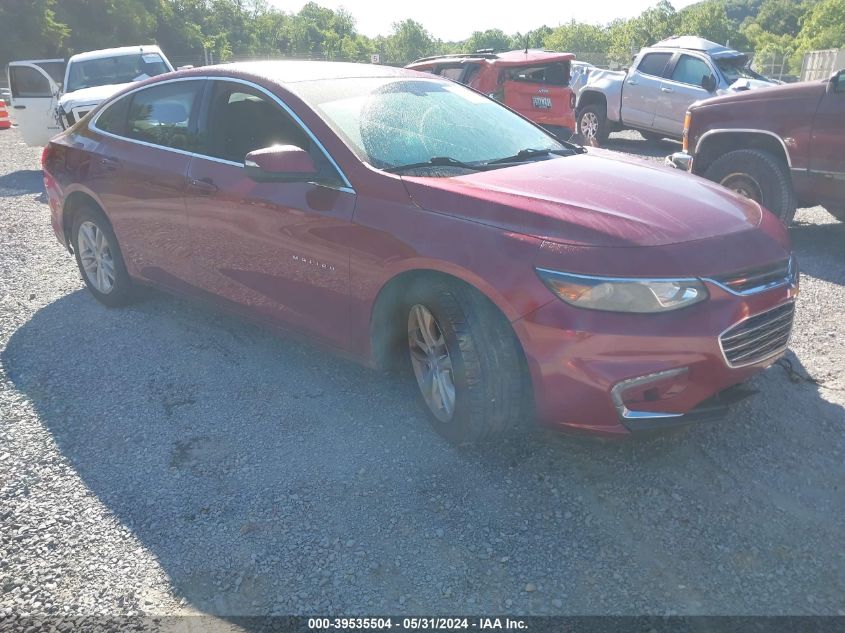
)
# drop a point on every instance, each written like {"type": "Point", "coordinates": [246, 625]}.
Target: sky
{"type": "Point", "coordinates": [453, 20]}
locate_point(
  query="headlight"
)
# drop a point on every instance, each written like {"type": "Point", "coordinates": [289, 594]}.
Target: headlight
{"type": "Point", "coordinates": [624, 295]}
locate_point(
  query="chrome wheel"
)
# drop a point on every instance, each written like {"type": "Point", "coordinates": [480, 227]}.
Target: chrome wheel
{"type": "Point", "coordinates": [431, 362]}
{"type": "Point", "coordinates": [744, 185]}
{"type": "Point", "coordinates": [96, 257]}
{"type": "Point", "coordinates": [589, 124]}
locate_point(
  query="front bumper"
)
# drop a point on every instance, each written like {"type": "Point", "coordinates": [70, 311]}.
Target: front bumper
{"type": "Point", "coordinates": [679, 160]}
{"type": "Point", "coordinates": [613, 374]}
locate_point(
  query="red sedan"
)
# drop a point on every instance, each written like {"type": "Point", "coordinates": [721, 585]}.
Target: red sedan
{"type": "Point", "coordinates": [406, 220]}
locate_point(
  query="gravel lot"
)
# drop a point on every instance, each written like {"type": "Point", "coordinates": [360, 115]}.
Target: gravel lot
{"type": "Point", "coordinates": [164, 459]}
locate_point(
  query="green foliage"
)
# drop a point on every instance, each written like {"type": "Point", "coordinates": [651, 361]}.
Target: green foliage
{"type": "Point", "coordinates": [491, 38]}
{"type": "Point", "coordinates": [823, 27]}
{"type": "Point", "coordinates": [191, 31]}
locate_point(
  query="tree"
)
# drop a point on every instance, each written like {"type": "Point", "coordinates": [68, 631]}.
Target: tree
{"type": "Point", "coordinates": [652, 25]}
{"type": "Point", "coordinates": [28, 28]}
{"type": "Point", "coordinates": [409, 41]}
{"type": "Point", "coordinates": [578, 37]}
{"type": "Point", "coordinates": [824, 27]}
{"type": "Point", "coordinates": [710, 21]}
{"type": "Point", "coordinates": [491, 38]}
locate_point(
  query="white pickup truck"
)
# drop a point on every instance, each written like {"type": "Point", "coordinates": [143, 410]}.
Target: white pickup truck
{"type": "Point", "coordinates": [664, 80]}
{"type": "Point", "coordinates": [49, 95]}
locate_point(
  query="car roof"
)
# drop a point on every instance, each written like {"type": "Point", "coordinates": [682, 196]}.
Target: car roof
{"type": "Point", "coordinates": [289, 71]}
{"type": "Point", "coordinates": [508, 58]}
{"type": "Point", "coordinates": [115, 52]}
{"type": "Point", "coordinates": [693, 43]}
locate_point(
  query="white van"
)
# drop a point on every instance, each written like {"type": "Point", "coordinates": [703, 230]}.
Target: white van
{"type": "Point", "coordinates": [49, 95]}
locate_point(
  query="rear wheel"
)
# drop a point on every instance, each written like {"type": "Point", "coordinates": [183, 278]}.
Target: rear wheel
{"type": "Point", "coordinates": [592, 123]}
{"type": "Point", "coordinates": [99, 258]}
{"type": "Point", "coordinates": [758, 175]}
{"type": "Point", "coordinates": [466, 361]}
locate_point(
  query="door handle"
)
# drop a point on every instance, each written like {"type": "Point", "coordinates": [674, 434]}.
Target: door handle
{"type": "Point", "coordinates": [633, 82]}
{"type": "Point", "coordinates": [665, 89]}
{"type": "Point", "coordinates": [202, 186]}
{"type": "Point", "coordinates": [110, 164]}
{"type": "Point", "coordinates": [20, 107]}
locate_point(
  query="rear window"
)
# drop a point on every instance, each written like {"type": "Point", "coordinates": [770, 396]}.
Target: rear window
{"type": "Point", "coordinates": [654, 64]}
{"type": "Point", "coordinates": [554, 74]}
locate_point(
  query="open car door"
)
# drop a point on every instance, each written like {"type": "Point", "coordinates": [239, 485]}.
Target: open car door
{"type": "Point", "coordinates": [35, 93]}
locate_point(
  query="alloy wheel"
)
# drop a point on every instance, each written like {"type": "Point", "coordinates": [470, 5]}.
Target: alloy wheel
{"type": "Point", "coordinates": [431, 362]}
{"type": "Point", "coordinates": [589, 124]}
{"type": "Point", "coordinates": [95, 255]}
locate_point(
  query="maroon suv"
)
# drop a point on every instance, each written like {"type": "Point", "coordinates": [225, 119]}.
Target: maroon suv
{"type": "Point", "coordinates": [783, 147]}
{"type": "Point", "coordinates": [401, 218]}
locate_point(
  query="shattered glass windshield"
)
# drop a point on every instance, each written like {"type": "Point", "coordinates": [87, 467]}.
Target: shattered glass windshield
{"type": "Point", "coordinates": [389, 122]}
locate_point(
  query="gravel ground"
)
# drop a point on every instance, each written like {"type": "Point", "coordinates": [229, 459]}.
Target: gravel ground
{"type": "Point", "coordinates": [164, 459]}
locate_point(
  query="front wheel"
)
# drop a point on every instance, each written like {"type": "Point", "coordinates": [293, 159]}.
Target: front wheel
{"type": "Point", "coordinates": [466, 361]}
{"type": "Point", "coordinates": [758, 175]}
{"type": "Point", "coordinates": [99, 258]}
{"type": "Point", "coordinates": [592, 123]}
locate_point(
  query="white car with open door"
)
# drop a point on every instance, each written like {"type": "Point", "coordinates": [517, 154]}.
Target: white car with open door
{"type": "Point", "coordinates": [49, 95]}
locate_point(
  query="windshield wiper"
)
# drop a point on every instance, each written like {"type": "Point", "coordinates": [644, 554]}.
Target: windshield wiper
{"type": "Point", "coordinates": [436, 161]}
{"type": "Point", "coordinates": [529, 153]}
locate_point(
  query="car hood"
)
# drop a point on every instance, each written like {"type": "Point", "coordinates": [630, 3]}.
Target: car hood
{"type": "Point", "coordinates": [599, 198]}
{"type": "Point", "coordinates": [89, 96]}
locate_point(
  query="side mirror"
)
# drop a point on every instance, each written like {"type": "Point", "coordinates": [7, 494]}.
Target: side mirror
{"type": "Point", "coordinates": [280, 163]}
{"type": "Point", "coordinates": [708, 82]}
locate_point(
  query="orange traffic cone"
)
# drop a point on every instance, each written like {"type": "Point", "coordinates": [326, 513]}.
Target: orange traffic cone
{"type": "Point", "coordinates": [5, 123]}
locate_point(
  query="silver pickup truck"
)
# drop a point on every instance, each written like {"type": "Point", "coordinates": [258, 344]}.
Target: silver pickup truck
{"type": "Point", "coordinates": [663, 81]}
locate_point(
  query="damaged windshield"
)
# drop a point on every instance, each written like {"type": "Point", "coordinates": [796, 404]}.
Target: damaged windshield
{"type": "Point", "coordinates": [397, 123]}
{"type": "Point", "coordinates": [734, 69]}
{"type": "Point", "coordinates": [120, 69]}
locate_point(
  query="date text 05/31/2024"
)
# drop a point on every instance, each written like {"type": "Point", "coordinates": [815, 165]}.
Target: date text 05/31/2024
{"type": "Point", "coordinates": [417, 624]}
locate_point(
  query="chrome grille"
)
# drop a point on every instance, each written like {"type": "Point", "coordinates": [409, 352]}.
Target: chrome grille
{"type": "Point", "coordinates": [758, 279]}
{"type": "Point", "coordinates": [758, 337]}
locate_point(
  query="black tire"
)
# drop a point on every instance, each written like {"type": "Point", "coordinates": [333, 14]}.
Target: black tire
{"type": "Point", "coordinates": [654, 137]}
{"type": "Point", "coordinates": [121, 292]}
{"type": "Point", "coordinates": [488, 368]}
{"type": "Point", "coordinates": [837, 212]}
{"type": "Point", "coordinates": [600, 112]}
{"type": "Point", "coordinates": [758, 175]}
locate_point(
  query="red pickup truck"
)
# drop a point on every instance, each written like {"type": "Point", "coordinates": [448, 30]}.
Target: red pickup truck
{"type": "Point", "coordinates": [783, 146]}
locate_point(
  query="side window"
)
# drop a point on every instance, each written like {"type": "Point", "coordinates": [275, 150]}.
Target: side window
{"type": "Point", "coordinates": [690, 70]}
{"type": "Point", "coordinates": [113, 118]}
{"type": "Point", "coordinates": [654, 64]}
{"type": "Point", "coordinates": [161, 115]}
{"type": "Point", "coordinates": [242, 119]}
{"type": "Point", "coordinates": [28, 82]}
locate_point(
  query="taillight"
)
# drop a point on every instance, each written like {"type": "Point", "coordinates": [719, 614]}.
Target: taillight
{"type": "Point", "coordinates": [45, 155]}
{"type": "Point", "coordinates": [687, 120]}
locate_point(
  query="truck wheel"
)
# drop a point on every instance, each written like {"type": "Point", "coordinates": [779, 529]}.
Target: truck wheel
{"type": "Point", "coordinates": [466, 361]}
{"type": "Point", "coordinates": [837, 212]}
{"type": "Point", "coordinates": [758, 175]}
{"type": "Point", "coordinates": [592, 123]}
